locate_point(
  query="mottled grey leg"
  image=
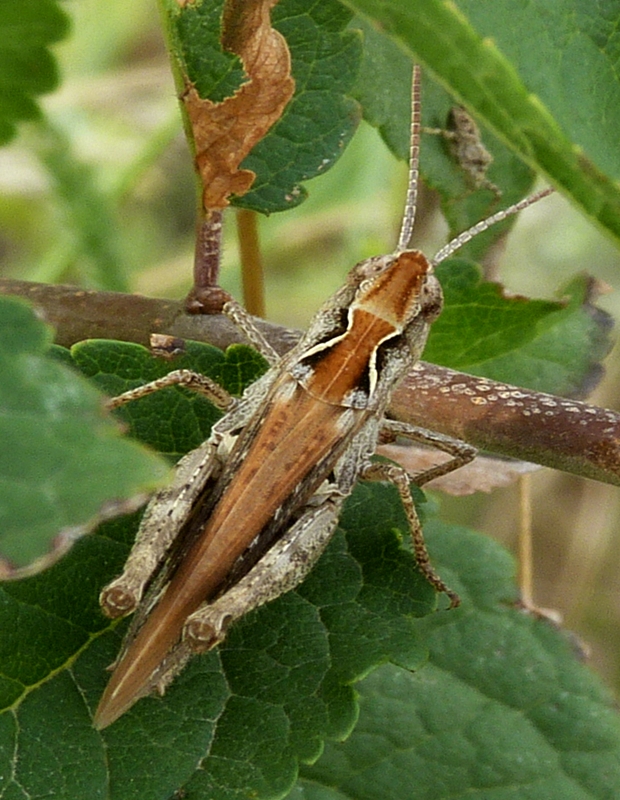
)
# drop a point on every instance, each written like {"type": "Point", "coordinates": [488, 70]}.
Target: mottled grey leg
{"type": "Point", "coordinates": [282, 568]}
{"type": "Point", "coordinates": [179, 377]}
{"type": "Point", "coordinates": [237, 314]}
{"type": "Point", "coordinates": [163, 518]}
{"type": "Point", "coordinates": [461, 452]}
{"type": "Point", "coordinates": [381, 471]}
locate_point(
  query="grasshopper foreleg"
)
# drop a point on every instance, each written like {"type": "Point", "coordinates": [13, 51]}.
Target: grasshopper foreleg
{"type": "Point", "coordinates": [179, 377]}
{"type": "Point", "coordinates": [201, 383]}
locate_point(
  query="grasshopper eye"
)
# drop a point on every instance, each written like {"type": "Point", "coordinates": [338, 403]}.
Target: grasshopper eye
{"type": "Point", "coordinates": [431, 298]}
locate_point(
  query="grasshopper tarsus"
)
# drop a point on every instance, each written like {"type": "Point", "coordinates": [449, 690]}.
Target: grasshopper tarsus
{"type": "Point", "coordinates": [453, 597]}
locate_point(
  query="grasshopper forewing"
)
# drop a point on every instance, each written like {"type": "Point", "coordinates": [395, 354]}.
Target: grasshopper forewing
{"type": "Point", "coordinates": [251, 510]}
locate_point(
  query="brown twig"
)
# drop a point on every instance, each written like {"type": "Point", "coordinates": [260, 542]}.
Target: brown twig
{"type": "Point", "coordinates": [568, 435]}
{"type": "Point", "coordinates": [206, 297]}
{"type": "Point", "coordinates": [564, 434]}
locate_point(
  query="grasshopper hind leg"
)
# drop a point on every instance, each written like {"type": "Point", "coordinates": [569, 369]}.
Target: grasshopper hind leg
{"type": "Point", "coordinates": [161, 522]}
{"type": "Point", "coordinates": [281, 569]}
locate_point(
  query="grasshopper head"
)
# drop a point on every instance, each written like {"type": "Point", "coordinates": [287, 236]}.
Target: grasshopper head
{"type": "Point", "coordinates": [400, 288]}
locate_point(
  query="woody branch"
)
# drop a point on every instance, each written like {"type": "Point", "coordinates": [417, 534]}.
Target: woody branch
{"type": "Point", "coordinates": [564, 434]}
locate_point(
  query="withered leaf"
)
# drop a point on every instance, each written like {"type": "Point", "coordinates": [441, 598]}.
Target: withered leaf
{"type": "Point", "coordinates": [483, 474]}
{"type": "Point", "coordinates": [225, 132]}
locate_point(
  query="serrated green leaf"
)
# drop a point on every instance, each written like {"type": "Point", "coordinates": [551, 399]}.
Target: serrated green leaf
{"type": "Point", "coordinates": [383, 89]}
{"type": "Point", "coordinates": [246, 713]}
{"type": "Point", "coordinates": [27, 68]}
{"type": "Point", "coordinates": [320, 119]}
{"type": "Point", "coordinates": [238, 719]}
{"type": "Point", "coordinates": [62, 459]}
{"type": "Point", "coordinates": [502, 709]}
{"type": "Point", "coordinates": [474, 50]}
{"type": "Point", "coordinates": [548, 346]}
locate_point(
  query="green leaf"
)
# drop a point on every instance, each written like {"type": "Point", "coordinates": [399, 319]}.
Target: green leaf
{"type": "Point", "coordinates": [538, 92]}
{"type": "Point", "coordinates": [246, 713]}
{"type": "Point", "coordinates": [503, 708]}
{"type": "Point", "coordinates": [320, 119]}
{"type": "Point", "coordinates": [551, 347]}
{"type": "Point", "coordinates": [27, 68]}
{"type": "Point", "coordinates": [237, 721]}
{"type": "Point", "coordinates": [62, 461]}
{"type": "Point", "coordinates": [173, 420]}
{"type": "Point", "coordinates": [383, 89]}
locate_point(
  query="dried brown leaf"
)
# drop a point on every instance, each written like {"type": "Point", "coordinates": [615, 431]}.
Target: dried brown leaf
{"type": "Point", "coordinates": [225, 132]}
{"type": "Point", "coordinates": [483, 474]}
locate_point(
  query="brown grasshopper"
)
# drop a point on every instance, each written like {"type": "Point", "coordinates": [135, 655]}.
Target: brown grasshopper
{"type": "Point", "coordinates": [251, 510]}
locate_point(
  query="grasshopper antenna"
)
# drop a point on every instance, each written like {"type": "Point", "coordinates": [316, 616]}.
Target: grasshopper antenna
{"type": "Point", "coordinates": [414, 158]}
{"type": "Point", "coordinates": [458, 241]}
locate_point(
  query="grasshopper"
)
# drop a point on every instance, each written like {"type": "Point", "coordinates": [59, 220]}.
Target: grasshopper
{"type": "Point", "coordinates": [250, 511]}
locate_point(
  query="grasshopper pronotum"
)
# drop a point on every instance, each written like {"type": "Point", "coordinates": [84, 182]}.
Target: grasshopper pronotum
{"type": "Point", "coordinates": [250, 511]}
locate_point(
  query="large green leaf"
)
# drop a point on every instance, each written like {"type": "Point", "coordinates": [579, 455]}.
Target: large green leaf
{"type": "Point", "coordinates": [542, 77]}
{"type": "Point", "coordinates": [237, 720]}
{"type": "Point", "coordinates": [63, 462]}
{"type": "Point", "coordinates": [247, 713]}
{"type": "Point", "coordinates": [503, 709]}
{"type": "Point", "coordinates": [27, 68]}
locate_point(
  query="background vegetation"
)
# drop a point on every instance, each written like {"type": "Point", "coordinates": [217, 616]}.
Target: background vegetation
{"type": "Point", "coordinates": [106, 179]}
